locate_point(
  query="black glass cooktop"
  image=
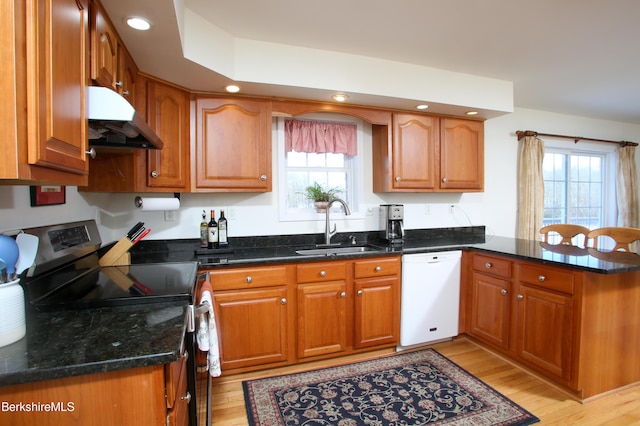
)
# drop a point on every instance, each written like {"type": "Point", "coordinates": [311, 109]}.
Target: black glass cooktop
{"type": "Point", "coordinates": [84, 285]}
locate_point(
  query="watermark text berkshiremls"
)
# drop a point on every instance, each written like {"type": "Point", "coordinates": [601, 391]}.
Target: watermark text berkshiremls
{"type": "Point", "coordinates": [27, 407]}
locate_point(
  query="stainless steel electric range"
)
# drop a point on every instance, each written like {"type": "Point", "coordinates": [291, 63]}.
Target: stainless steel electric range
{"type": "Point", "coordinates": [67, 275]}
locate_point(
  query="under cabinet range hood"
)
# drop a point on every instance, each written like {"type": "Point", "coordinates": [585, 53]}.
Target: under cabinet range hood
{"type": "Point", "coordinates": [114, 123]}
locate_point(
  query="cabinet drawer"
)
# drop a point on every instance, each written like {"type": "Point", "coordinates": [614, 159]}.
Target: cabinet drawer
{"type": "Point", "coordinates": [324, 271]}
{"type": "Point", "coordinates": [377, 267]}
{"type": "Point", "coordinates": [236, 279]}
{"type": "Point", "coordinates": [546, 277]}
{"type": "Point", "coordinates": [492, 265]}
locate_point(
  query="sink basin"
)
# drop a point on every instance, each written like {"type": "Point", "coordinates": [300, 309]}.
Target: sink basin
{"type": "Point", "coordinates": [335, 251]}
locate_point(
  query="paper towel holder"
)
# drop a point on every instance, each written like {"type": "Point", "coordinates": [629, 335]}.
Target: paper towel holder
{"type": "Point", "coordinates": [138, 200]}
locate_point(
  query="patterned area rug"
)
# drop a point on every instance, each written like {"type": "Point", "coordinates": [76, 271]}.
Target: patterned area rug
{"type": "Point", "coordinates": [417, 388]}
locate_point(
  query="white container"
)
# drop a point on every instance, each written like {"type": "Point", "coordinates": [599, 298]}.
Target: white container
{"type": "Point", "coordinates": [12, 317]}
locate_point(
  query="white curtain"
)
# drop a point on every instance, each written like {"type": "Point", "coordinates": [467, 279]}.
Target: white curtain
{"type": "Point", "coordinates": [627, 187]}
{"type": "Point", "coordinates": [530, 188]}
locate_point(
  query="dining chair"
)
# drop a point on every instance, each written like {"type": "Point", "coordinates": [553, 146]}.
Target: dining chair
{"type": "Point", "coordinates": [566, 231]}
{"type": "Point", "coordinates": [622, 236]}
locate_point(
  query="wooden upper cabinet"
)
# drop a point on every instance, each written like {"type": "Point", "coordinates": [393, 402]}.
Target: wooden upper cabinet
{"type": "Point", "coordinates": [233, 145]}
{"type": "Point", "coordinates": [43, 91]}
{"type": "Point", "coordinates": [415, 149]}
{"type": "Point", "coordinates": [104, 48]}
{"type": "Point", "coordinates": [461, 154]}
{"type": "Point", "coordinates": [126, 76]}
{"type": "Point", "coordinates": [168, 116]}
{"type": "Point", "coordinates": [426, 153]}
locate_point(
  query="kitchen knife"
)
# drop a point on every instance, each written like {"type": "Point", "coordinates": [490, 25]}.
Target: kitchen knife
{"type": "Point", "coordinates": [135, 229]}
{"type": "Point", "coordinates": [137, 233]}
{"type": "Point", "coordinates": [142, 235]}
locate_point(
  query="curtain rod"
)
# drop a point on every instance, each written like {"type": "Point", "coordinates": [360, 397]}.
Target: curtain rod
{"type": "Point", "coordinates": [523, 133]}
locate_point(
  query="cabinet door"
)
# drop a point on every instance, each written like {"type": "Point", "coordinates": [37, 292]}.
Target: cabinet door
{"type": "Point", "coordinates": [415, 150]}
{"type": "Point", "coordinates": [322, 310]}
{"type": "Point", "coordinates": [127, 75]}
{"type": "Point", "coordinates": [461, 154]}
{"type": "Point", "coordinates": [490, 309]}
{"type": "Point", "coordinates": [233, 145]}
{"type": "Point", "coordinates": [58, 132]}
{"type": "Point", "coordinates": [377, 312]}
{"type": "Point", "coordinates": [545, 330]}
{"type": "Point", "coordinates": [104, 48]}
{"type": "Point", "coordinates": [252, 326]}
{"type": "Point", "coordinates": [168, 116]}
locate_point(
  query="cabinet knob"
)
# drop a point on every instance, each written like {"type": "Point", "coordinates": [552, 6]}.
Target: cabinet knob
{"type": "Point", "coordinates": [343, 294]}
{"type": "Point", "coordinates": [323, 274]}
{"type": "Point", "coordinates": [541, 278]}
{"type": "Point", "coordinates": [263, 177]}
{"type": "Point", "coordinates": [503, 292]}
{"type": "Point", "coordinates": [186, 397]}
{"type": "Point", "coordinates": [445, 180]}
{"type": "Point", "coordinates": [398, 179]}
{"type": "Point", "coordinates": [119, 84]}
{"type": "Point", "coordinates": [359, 292]}
{"type": "Point", "coordinates": [283, 301]}
{"type": "Point", "coordinates": [155, 174]}
{"type": "Point", "coordinates": [487, 265]}
{"type": "Point", "coordinates": [248, 280]}
{"type": "Point", "coordinates": [378, 269]}
{"type": "Point", "coordinates": [520, 297]}
{"type": "Point", "coordinates": [91, 153]}
{"type": "Point", "coordinates": [125, 93]}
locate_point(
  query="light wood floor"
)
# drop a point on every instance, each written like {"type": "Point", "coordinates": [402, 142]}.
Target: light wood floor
{"type": "Point", "coordinates": [552, 406]}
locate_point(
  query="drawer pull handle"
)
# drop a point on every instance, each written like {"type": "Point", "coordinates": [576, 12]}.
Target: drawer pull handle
{"type": "Point", "coordinates": [445, 180]}
{"type": "Point", "coordinates": [186, 397]}
{"type": "Point", "coordinates": [488, 265]}
{"type": "Point", "coordinates": [520, 297]}
{"type": "Point", "coordinates": [359, 292]}
{"type": "Point", "coordinates": [343, 294]}
{"type": "Point", "coordinates": [378, 268]}
{"type": "Point", "coordinates": [541, 278]}
{"type": "Point", "coordinates": [248, 280]}
{"type": "Point", "coordinates": [263, 178]}
{"type": "Point", "coordinates": [323, 274]}
{"type": "Point", "coordinates": [283, 301]}
{"type": "Point", "coordinates": [155, 174]}
{"type": "Point", "coordinates": [503, 292]}
{"type": "Point", "coordinates": [398, 179]}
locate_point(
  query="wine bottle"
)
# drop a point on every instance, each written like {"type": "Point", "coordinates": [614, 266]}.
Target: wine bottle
{"type": "Point", "coordinates": [204, 240]}
{"type": "Point", "coordinates": [212, 231]}
{"type": "Point", "coordinates": [222, 230]}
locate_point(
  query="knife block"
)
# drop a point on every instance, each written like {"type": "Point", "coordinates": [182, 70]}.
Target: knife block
{"type": "Point", "coordinates": [118, 255]}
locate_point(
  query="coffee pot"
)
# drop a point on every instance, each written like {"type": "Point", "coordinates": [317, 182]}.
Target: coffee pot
{"type": "Point", "coordinates": [391, 217]}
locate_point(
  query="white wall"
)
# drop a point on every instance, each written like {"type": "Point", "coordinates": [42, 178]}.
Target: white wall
{"type": "Point", "coordinates": [256, 214]}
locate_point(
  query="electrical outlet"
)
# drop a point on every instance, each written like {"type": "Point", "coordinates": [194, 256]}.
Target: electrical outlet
{"type": "Point", "coordinates": [169, 215]}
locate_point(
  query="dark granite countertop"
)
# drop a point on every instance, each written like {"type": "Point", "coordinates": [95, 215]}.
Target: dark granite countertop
{"type": "Point", "coordinates": [282, 249]}
{"type": "Point", "coordinates": [66, 343]}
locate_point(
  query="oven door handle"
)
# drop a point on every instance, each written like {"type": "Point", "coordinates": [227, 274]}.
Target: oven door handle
{"type": "Point", "coordinates": [193, 312]}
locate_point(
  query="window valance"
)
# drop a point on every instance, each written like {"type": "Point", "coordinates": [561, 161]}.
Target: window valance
{"type": "Point", "coordinates": [320, 137]}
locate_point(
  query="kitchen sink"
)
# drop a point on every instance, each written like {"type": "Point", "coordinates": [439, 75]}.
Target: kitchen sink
{"type": "Point", "coordinates": [336, 251]}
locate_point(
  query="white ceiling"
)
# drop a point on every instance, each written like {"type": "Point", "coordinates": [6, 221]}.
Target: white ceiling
{"type": "Point", "coordinates": [579, 57]}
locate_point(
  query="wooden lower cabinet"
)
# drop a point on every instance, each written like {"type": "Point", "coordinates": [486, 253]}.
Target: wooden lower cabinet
{"type": "Point", "coordinates": [527, 310]}
{"type": "Point", "coordinates": [269, 316]}
{"type": "Point", "coordinates": [124, 397]}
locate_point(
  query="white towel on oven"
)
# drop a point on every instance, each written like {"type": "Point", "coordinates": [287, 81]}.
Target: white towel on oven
{"type": "Point", "coordinates": [207, 335]}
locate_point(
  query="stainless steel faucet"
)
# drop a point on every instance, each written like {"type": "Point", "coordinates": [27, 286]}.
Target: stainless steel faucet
{"type": "Point", "coordinates": [328, 232]}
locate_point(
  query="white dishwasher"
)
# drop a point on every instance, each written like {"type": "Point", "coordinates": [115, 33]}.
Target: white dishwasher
{"type": "Point", "coordinates": [430, 297]}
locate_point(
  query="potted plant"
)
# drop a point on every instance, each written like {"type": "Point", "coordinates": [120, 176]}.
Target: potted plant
{"type": "Point", "coordinates": [320, 196]}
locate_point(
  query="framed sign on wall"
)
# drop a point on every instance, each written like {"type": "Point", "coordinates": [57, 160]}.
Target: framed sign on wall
{"type": "Point", "coordinates": [47, 195]}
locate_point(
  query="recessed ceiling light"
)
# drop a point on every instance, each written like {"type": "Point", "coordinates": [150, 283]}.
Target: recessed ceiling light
{"type": "Point", "coordinates": [232, 88]}
{"type": "Point", "coordinates": [472, 112]}
{"type": "Point", "coordinates": [340, 97]}
{"type": "Point", "coordinates": [138, 23]}
{"type": "Point", "coordinates": [422, 106]}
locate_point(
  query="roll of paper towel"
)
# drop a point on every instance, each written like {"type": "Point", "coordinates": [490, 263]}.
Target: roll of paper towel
{"type": "Point", "coordinates": [157, 204]}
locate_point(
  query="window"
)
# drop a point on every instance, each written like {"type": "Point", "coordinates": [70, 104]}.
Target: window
{"type": "Point", "coordinates": [298, 170]}
{"type": "Point", "coordinates": [578, 187]}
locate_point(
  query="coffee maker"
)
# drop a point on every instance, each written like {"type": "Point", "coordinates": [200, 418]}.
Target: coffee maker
{"type": "Point", "coordinates": [392, 229]}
